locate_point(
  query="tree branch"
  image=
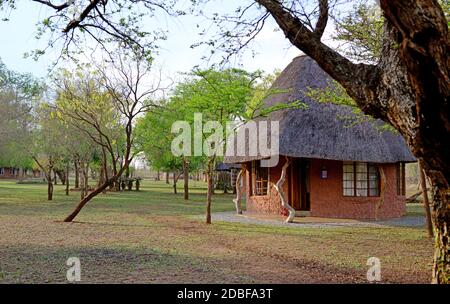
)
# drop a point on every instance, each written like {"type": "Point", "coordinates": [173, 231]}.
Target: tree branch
{"type": "Point", "coordinates": [359, 80]}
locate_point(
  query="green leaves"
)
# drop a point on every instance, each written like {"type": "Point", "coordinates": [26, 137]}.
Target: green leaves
{"type": "Point", "coordinates": [19, 95]}
{"type": "Point", "coordinates": [361, 30]}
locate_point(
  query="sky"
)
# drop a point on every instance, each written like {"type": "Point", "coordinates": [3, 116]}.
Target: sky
{"type": "Point", "coordinates": [17, 38]}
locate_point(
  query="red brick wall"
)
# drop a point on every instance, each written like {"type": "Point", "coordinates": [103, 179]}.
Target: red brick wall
{"type": "Point", "coordinates": [327, 199]}
{"type": "Point", "coordinates": [270, 203]}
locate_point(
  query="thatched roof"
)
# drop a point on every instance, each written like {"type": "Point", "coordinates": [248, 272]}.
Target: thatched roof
{"type": "Point", "coordinates": [319, 131]}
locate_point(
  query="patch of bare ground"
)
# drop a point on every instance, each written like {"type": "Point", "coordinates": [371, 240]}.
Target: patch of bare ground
{"type": "Point", "coordinates": [152, 236]}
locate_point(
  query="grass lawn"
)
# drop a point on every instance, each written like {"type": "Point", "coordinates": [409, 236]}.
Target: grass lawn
{"type": "Point", "coordinates": [154, 236]}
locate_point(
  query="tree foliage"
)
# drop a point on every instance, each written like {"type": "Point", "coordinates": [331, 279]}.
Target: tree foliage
{"type": "Point", "coordinates": [19, 95]}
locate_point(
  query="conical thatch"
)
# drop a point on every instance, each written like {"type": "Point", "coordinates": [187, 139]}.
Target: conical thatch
{"type": "Point", "coordinates": [319, 131]}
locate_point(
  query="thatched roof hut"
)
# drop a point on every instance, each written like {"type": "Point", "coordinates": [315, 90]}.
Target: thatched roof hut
{"type": "Point", "coordinates": [320, 131]}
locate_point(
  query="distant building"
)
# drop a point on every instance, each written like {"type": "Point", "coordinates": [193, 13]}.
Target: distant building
{"type": "Point", "coordinates": [17, 173]}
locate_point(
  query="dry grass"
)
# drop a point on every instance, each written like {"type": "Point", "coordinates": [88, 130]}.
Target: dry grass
{"type": "Point", "coordinates": [153, 236]}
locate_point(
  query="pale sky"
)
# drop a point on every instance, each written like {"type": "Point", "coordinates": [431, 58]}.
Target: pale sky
{"type": "Point", "coordinates": [176, 56]}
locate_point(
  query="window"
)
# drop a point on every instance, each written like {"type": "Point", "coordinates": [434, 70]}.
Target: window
{"type": "Point", "coordinates": [261, 175]}
{"type": "Point", "coordinates": [360, 179]}
{"type": "Point", "coordinates": [1, 171]}
{"type": "Point", "coordinates": [401, 189]}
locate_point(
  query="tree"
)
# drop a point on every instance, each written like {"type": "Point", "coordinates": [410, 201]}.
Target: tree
{"type": "Point", "coordinates": [220, 96]}
{"type": "Point", "coordinates": [408, 87]}
{"type": "Point", "coordinates": [48, 144]}
{"type": "Point", "coordinates": [154, 138]}
{"type": "Point", "coordinates": [19, 94]}
{"type": "Point", "coordinates": [96, 103]}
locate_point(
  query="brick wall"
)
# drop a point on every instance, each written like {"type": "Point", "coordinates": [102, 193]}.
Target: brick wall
{"type": "Point", "coordinates": [327, 199]}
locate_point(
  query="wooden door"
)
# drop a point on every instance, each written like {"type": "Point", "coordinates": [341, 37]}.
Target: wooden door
{"type": "Point", "coordinates": [305, 203]}
{"type": "Point", "coordinates": [299, 196]}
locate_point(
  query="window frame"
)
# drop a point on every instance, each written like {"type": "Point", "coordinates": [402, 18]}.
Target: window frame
{"type": "Point", "coordinates": [355, 180]}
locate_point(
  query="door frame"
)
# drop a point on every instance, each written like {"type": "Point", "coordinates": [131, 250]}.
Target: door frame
{"type": "Point", "coordinates": [299, 184]}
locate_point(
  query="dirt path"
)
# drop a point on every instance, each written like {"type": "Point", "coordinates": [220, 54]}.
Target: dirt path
{"type": "Point", "coordinates": [309, 222]}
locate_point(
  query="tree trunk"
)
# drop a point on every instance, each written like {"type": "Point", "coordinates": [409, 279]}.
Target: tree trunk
{"type": "Point", "coordinates": [209, 193]}
{"type": "Point", "coordinates": [186, 179]}
{"type": "Point", "coordinates": [87, 198]}
{"type": "Point", "coordinates": [421, 32]}
{"type": "Point", "coordinates": [61, 175]}
{"type": "Point", "coordinates": [86, 178]}
{"type": "Point", "coordinates": [157, 176]}
{"type": "Point", "coordinates": [49, 188]}
{"type": "Point", "coordinates": [77, 174]}
{"type": "Point", "coordinates": [84, 166]}
{"type": "Point", "coordinates": [138, 185]}
{"type": "Point", "coordinates": [426, 203]}
{"type": "Point", "coordinates": [441, 220]}
{"type": "Point", "coordinates": [237, 200]}
{"type": "Point", "coordinates": [167, 177]}
{"type": "Point", "coordinates": [100, 177]}
{"type": "Point", "coordinates": [105, 176]}
{"type": "Point", "coordinates": [127, 172]}
{"type": "Point", "coordinates": [174, 185]}
{"type": "Point", "coordinates": [55, 180]}
{"type": "Point", "coordinates": [67, 178]}
{"type": "Point", "coordinates": [82, 180]}
{"type": "Point", "coordinates": [94, 193]}
{"type": "Point", "coordinates": [49, 180]}
{"type": "Point", "coordinates": [381, 202]}
{"type": "Point", "coordinates": [409, 88]}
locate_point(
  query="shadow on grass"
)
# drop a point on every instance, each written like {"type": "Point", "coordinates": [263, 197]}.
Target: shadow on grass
{"type": "Point", "coordinates": [42, 264]}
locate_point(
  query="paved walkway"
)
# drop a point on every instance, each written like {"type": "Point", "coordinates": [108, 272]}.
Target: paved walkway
{"type": "Point", "coordinates": [311, 222]}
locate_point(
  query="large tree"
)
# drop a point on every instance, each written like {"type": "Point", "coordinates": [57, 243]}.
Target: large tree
{"type": "Point", "coordinates": [408, 87]}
